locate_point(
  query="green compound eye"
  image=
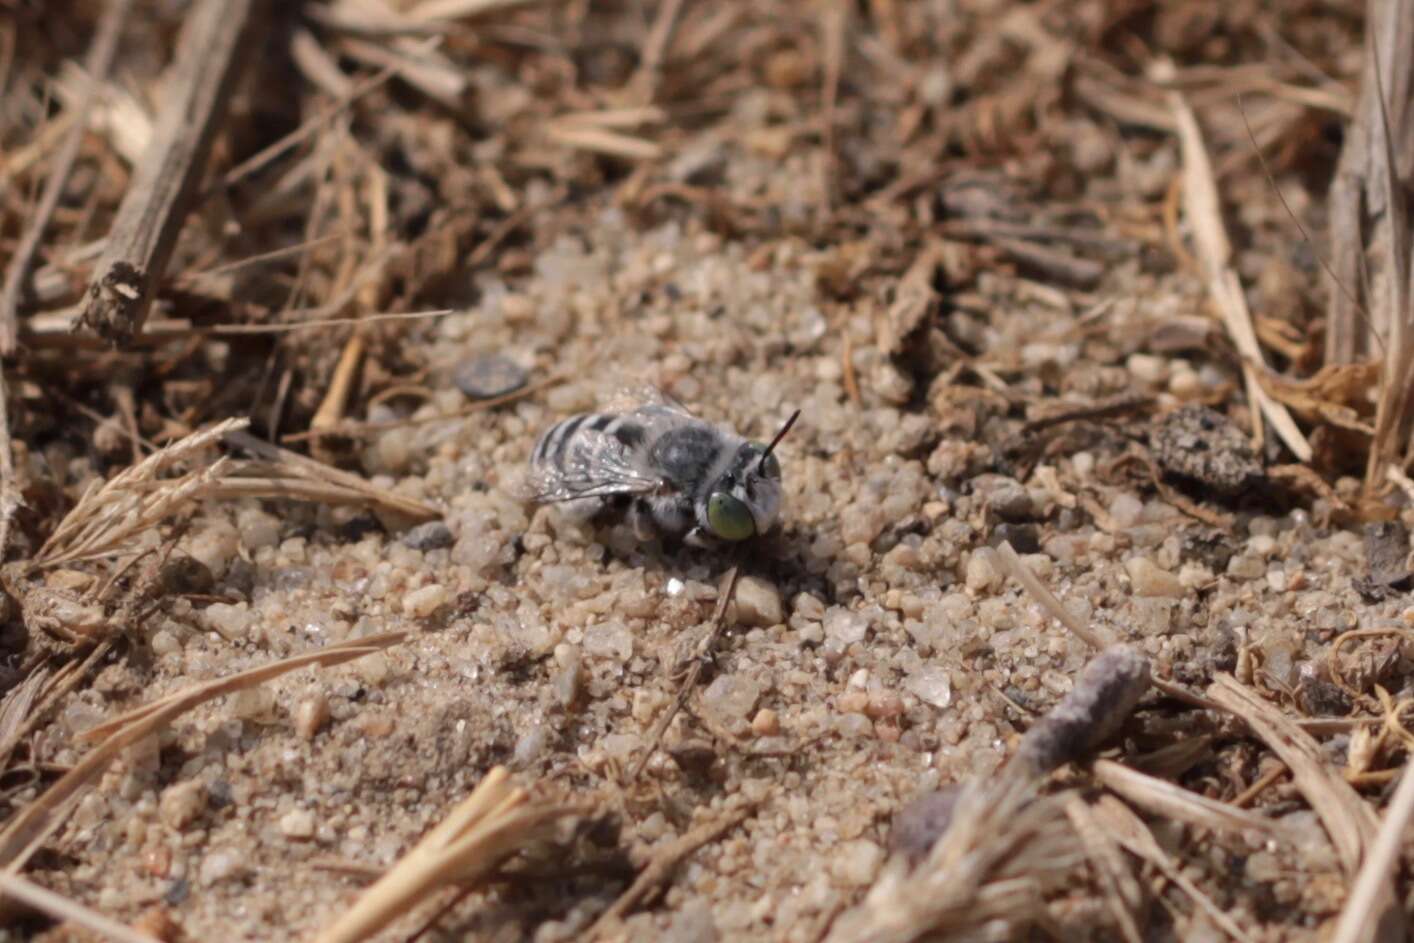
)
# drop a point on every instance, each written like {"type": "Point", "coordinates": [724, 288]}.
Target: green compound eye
{"type": "Point", "coordinates": [728, 518]}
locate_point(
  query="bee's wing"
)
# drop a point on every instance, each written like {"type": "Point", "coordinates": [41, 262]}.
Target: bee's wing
{"type": "Point", "coordinates": [598, 466]}
{"type": "Point", "coordinates": [644, 397]}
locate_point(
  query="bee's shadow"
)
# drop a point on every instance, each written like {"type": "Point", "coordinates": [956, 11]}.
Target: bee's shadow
{"type": "Point", "coordinates": [781, 558]}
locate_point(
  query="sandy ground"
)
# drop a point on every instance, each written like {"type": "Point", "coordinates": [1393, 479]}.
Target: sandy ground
{"type": "Point", "coordinates": [875, 652]}
{"type": "Point", "coordinates": [874, 649]}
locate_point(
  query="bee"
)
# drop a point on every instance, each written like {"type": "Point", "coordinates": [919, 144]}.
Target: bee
{"type": "Point", "coordinates": [674, 475]}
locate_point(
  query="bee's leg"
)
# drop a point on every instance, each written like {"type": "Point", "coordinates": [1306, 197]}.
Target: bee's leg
{"type": "Point", "coordinates": [697, 537]}
{"type": "Point", "coordinates": [640, 518]}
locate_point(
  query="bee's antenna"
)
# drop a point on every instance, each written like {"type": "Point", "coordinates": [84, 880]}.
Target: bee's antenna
{"type": "Point", "coordinates": [761, 465]}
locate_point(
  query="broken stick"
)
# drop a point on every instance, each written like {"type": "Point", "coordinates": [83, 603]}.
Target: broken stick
{"type": "Point", "coordinates": [140, 243]}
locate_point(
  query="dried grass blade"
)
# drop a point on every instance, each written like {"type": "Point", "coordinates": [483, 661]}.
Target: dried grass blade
{"type": "Point", "coordinates": [15, 708]}
{"type": "Point", "coordinates": [1203, 209]}
{"type": "Point", "coordinates": [1392, 418]}
{"type": "Point", "coordinates": [430, 10]}
{"type": "Point", "coordinates": [97, 64]}
{"type": "Point", "coordinates": [1380, 867]}
{"type": "Point", "coordinates": [115, 511]}
{"type": "Point", "coordinates": [482, 831]}
{"type": "Point", "coordinates": [296, 466]}
{"type": "Point", "coordinates": [197, 89]}
{"type": "Point", "coordinates": [19, 839]}
{"type": "Point", "coordinates": [1134, 835]}
{"type": "Point", "coordinates": [68, 911]}
{"type": "Point", "coordinates": [1117, 884]}
{"type": "Point", "coordinates": [1347, 820]}
{"type": "Point", "coordinates": [1172, 801]}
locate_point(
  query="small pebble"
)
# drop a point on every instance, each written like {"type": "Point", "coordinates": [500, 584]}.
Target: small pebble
{"type": "Point", "coordinates": [982, 574]}
{"type": "Point", "coordinates": [883, 704]}
{"type": "Point", "coordinates": [845, 627]}
{"type": "Point", "coordinates": [423, 602]}
{"type": "Point", "coordinates": [218, 866]}
{"type": "Point", "coordinates": [434, 535]}
{"type": "Point", "coordinates": [231, 622]}
{"type": "Point", "coordinates": [253, 703]}
{"type": "Point", "coordinates": [297, 823]}
{"type": "Point", "coordinates": [258, 529]}
{"type": "Point", "coordinates": [215, 545]}
{"type": "Point", "coordinates": [1147, 368]}
{"type": "Point", "coordinates": [165, 643]}
{"type": "Point", "coordinates": [1246, 568]}
{"type": "Point", "coordinates": [1147, 579]}
{"type": "Point", "coordinates": [933, 686]}
{"type": "Point", "coordinates": [852, 702]}
{"type": "Point", "coordinates": [730, 698]}
{"type": "Point", "coordinates": [758, 603]}
{"type": "Point", "coordinates": [530, 745]}
{"type": "Point", "coordinates": [570, 676]}
{"type": "Point", "coordinates": [765, 723]}
{"type": "Point", "coordinates": [373, 669]}
{"type": "Point", "coordinates": [611, 640]}
{"type": "Point", "coordinates": [311, 714]}
{"type": "Point", "coordinates": [1012, 502]}
{"type": "Point", "coordinates": [1125, 509]}
{"type": "Point", "coordinates": [489, 376]}
{"type": "Point", "coordinates": [181, 804]}
{"type": "Point", "coordinates": [856, 862]}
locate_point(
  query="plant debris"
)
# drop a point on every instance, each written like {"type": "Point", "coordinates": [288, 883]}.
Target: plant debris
{"type": "Point", "coordinates": [1039, 277]}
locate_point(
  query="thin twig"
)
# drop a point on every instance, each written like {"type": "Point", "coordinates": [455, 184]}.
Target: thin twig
{"type": "Point", "coordinates": [1380, 868]}
{"type": "Point", "coordinates": [661, 867]}
{"type": "Point", "coordinates": [263, 157]}
{"type": "Point", "coordinates": [24, 833]}
{"type": "Point", "coordinates": [99, 61]}
{"type": "Point", "coordinates": [144, 232]}
{"type": "Point", "coordinates": [301, 466]}
{"type": "Point", "coordinates": [1202, 207]}
{"type": "Point", "coordinates": [689, 682]}
{"type": "Point", "coordinates": [367, 428]}
{"type": "Point", "coordinates": [68, 911]}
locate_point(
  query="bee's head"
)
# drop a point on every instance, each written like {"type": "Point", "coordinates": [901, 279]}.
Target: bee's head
{"type": "Point", "coordinates": [744, 501]}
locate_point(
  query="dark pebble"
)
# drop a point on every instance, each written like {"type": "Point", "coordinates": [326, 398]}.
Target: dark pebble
{"type": "Point", "coordinates": [177, 892]}
{"type": "Point", "coordinates": [1024, 538]}
{"type": "Point", "coordinates": [489, 376]}
{"type": "Point", "coordinates": [433, 535]}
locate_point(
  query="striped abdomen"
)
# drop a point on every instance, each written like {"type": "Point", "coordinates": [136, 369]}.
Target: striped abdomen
{"type": "Point", "coordinates": [566, 439]}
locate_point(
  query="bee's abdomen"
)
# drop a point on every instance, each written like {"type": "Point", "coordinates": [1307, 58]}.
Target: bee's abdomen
{"type": "Point", "coordinates": [558, 443]}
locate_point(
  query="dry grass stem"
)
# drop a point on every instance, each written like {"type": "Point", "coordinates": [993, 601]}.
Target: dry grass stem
{"type": "Point", "coordinates": [1379, 870]}
{"type": "Point", "coordinates": [1203, 210]}
{"type": "Point", "coordinates": [68, 911]}
{"type": "Point", "coordinates": [1122, 893]}
{"type": "Point", "coordinates": [1131, 832]}
{"type": "Point", "coordinates": [1375, 151]}
{"type": "Point", "coordinates": [1001, 853]}
{"type": "Point", "coordinates": [487, 827]}
{"type": "Point", "coordinates": [289, 474]}
{"type": "Point", "coordinates": [144, 232]}
{"type": "Point", "coordinates": [308, 129]}
{"type": "Point", "coordinates": [15, 710]}
{"type": "Point", "coordinates": [24, 833]}
{"type": "Point", "coordinates": [1172, 801]}
{"type": "Point", "coordinates": [1018, 571]}
{"type": "Point", "coordinates": [1347, 820]}
{"type": "Point", "coordinates": [661, 868]}
{"type": "Point", "coordinates": [111, 515]}
{"type": "Point", "coordinates": [96, 66]}
{"type": "Point", "coordinates": [726, 592]}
